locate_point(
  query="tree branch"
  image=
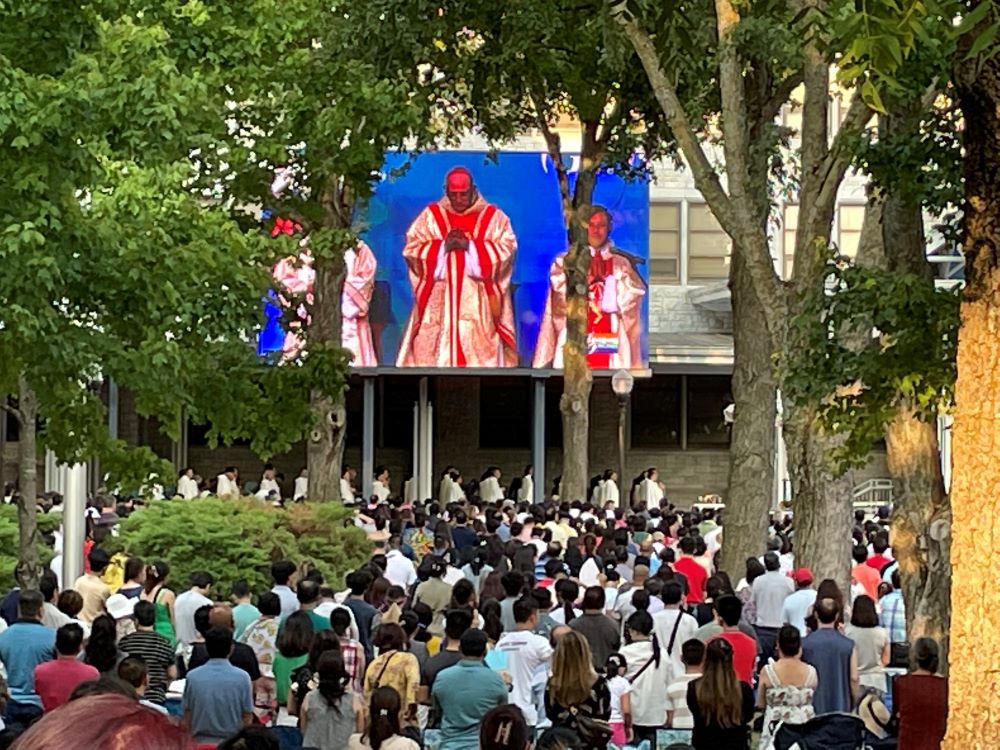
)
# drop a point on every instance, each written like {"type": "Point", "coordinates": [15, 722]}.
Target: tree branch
{"type": "Point", "coordinates": [772, 107]}
{"type": "Point", "coordinates": [838, 157]}
{"type": "Point", "coordinates": [735, 140]}
{"type": "Point", "coordinates": [16, 413]}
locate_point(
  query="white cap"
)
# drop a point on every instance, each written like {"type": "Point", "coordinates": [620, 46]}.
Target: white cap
{"type": "Point", "coordinates": [120, 606]}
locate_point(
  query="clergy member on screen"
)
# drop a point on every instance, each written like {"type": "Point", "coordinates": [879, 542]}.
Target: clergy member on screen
{"type": "Point", "coordinates": [614, 309]}
{"type": "Point", "coordinates": [460, 255]}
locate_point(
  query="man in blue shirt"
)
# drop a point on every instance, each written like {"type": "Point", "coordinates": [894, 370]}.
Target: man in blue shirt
{"type": "Point", "coordinates": [893, 617]}
{"type": "Point", "coordinates": [462, 694]}
{"type": "Point", "coordinates": [832, 654]}
{"type": "Point", "coordinates": [217, 695]}
{"type": "Point", "coordinates": [23, 646]}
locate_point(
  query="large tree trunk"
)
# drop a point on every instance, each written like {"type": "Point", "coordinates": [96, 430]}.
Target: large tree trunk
{"type": "Point", "coordinates": [974, 690]}
{"type": "Point", "coordinates": [29, 566]}
{"type": "Point", "coordinates": [751, 447]}
{"type": "Point", "coordinates": [822, 502]}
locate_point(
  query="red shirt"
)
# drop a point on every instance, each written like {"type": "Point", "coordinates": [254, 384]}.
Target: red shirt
{"type": "Point", "coordinates": [696, 577]}
{"type": "Point", "coordinates": [56, 679]}
{"type": "Point", "coordinates": [878, 562]}
{"type": "Point", "coordinates": [744, 654]}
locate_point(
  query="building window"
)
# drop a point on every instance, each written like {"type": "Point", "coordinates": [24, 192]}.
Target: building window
{"type": "Point", "coordinates": [656, 414]}
{"type": "Point", "coordinates": [708, 246]}
{"type": "Point", "coordinates": [504, 412]}
{"type": "Point", "coordinates": [707, 396]}
{"type": "Point", "coordinates": [664, 243]}
{"type": "Point", "coordinates": [850, 221]}
{"type": "Point", "coordinates": [790, 224]}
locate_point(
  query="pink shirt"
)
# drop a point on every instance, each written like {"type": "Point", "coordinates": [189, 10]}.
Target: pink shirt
{"type": "Point", "coordinates": [56, 679]}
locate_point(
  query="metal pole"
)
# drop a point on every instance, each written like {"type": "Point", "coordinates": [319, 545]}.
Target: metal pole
{"type": "Point", "coordinates": [367, 436]}
{"type": "Point", "coordinates": [538, 440]}
{"type": "Point", "coordinates": [74, 509]}
{"type": "Point", "coordinates": [429, 451]}
{"type": "Point", "coordinates": [112, 409]}
{"type": "Point", "coordinates": [417, 468]}
{"type": "Point", "coordinates": [622, 412]}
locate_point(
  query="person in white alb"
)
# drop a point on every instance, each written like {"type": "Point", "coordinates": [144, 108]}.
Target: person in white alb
{"type": "Point", "coordinates": [187, 488]}
{"type": "Point", "coordinates": [398, 569]}
{"type": "Point", "coordinates": [380, 487]}
{"type": "Point", "coordinates": [347, 478]}
{"type": "Point", "coordinates": [227, 484]}
{"type": "Point", "coordinates": [489, 486]}
{"type": "Point", "coordinates": [609, 488]}
{"type": "Point", "coordinates": [301, 490]}
{"type": "Point", "coordinates": [268, 484]}
{"type": "Point", "coordinates": [649, 489]}
{"type": "Point", "coordinates": [673, 627]}
{"type": "Point", "coordinates": [526, 493]}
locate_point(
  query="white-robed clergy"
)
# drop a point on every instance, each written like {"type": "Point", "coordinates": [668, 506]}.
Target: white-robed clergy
{"type": "Point", "coordinates": [187, 487]}
{"type": "Point", "coordinates": [347, 477]}
{"type": "Point", "coordinates": [608, 488]}
{"type": "Point", "coordinates": [301, 489]}
{"type": "Point", "coordinates": [490, 490]}
{"type": "Point", "coordinates": [268, 484]}
{"type": "Point", "coordinates": [227, 484]}
{"type": "Point", "coordinates": [380, 487]}
{"type": "Point", "coordinates": [526, 492]}
{"type": "Point", "coordinates": [649, 489]}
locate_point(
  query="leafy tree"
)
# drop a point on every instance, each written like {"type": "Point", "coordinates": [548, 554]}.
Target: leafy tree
{"type": "Point", "coordinates": [240, 539]}
{"type": "Point", "coordinates": [113, 266]}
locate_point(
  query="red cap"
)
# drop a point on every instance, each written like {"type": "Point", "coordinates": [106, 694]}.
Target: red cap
{"type": "Point", "coordinates": [802, 575]}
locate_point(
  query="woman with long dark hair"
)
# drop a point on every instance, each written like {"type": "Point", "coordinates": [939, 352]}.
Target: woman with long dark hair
{"type": "Point", "coordinates": [102, 651]}
{"type": "Point", "coordinates": [871, 644]}
{"type": "Point", "coordinates": [330, 712]}
{"type": "Point", "coordinates": [154, 590]}
{"type": "Point", "coordinates": [384, 726]}
{"type": "Point", "coordinates": [721, 706]}
{"type": "Point", "coordinates": [648, 671]}
{"type": "Point", "coordinates": [135, 578]}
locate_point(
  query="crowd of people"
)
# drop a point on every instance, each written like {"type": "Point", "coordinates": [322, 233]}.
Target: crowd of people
{"type": "Point", "coordinates": [491, 623]}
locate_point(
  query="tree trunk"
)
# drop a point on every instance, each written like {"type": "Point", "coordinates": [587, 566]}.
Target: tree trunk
{"type": "Point", "coordinates": [974, 690]}
{"type": "Point", "coordinates": [822, 502]}
{"type": "Point", "coordinates": [751, 446]}
{"type": "Point", "coordinates": [325, 451]}
{"type": "Point", "coordinates": [29, 566]}
{"type": "Point", "coordinates": [574, 404]}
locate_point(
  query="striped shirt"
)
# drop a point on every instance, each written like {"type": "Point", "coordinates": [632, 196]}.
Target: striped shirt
{"type": "Point", "coordinates": [893, 617]}
{"type": "Point", "coordinates": [155, 650]}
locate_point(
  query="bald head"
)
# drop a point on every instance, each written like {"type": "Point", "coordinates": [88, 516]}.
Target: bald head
{"type": "Point", "coordinates": [221, 616]}
{"type": "Point", "coordinates": [460, 189]}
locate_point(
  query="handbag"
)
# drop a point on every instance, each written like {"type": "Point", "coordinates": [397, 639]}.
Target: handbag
{"type": "Point", "coordinates": [899, 655]}
{"type": "Point", "coordinates": [593, 732]}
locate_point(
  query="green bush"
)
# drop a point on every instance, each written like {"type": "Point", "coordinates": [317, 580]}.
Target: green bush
{"type": "Point", "coordinates": [240, 539]}
{"type": "Point", "coordinates": [47, 523]}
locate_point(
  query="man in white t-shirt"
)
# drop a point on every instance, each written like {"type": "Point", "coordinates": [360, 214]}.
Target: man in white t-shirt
{"type": "Point", "coordinates": [398, 569]}
{"type": "Point", "coordinates": [678, 713]}
{"type": "Point", "coordinates": [526, 652]}
{"type": "Point", "coordinates": [671, 632]}
{"type": "Point", "coordinates": [185, 605]}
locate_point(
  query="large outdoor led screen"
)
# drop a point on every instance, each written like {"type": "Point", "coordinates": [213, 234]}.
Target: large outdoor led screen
{"type": "Point", "coordinates": [460, 266]}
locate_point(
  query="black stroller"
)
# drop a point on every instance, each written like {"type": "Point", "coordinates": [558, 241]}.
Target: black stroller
{"type": "Point", "coordinates": [833, 731]}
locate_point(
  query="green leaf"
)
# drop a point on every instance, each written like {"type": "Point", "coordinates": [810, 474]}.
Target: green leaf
{"type": "Point", "coordinates": [984, 40]}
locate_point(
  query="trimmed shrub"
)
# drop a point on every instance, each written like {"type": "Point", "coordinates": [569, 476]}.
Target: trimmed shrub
{"type": "Point", "coordinates": [234, 539]}
{"type": "Point", "coordinates": [47, 523]}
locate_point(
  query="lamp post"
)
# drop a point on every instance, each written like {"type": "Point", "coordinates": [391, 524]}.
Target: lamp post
{"type": "Point", "coordinates": [621, 383]}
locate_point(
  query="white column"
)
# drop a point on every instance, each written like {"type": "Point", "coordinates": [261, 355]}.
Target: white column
{"type": "Point", "coordinates": [74, 507]}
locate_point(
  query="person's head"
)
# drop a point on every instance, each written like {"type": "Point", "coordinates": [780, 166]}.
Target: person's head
{"type": "Point", "coordinates": [827, 611]}
{"type": "Point", "coordinates": [241, 591]}
{"type": "Point", "coordinates": [48, 585]}
{"type": "Point", "coordinates": [640, 625]}
{"type": "Point", "coordinates": [473, 644]}
{"type": "Point", "coordinates": [504, 728]}
{"type": "Point", "coordinates": [573, 673]}
{"type": "Point", "coordinates": [29, 606]}
{"type": "Point", "coordinates": [269, 604]}
{"type": "Point", "coordinates": [754, 569]}
{"type": "Point", "coordinates": [69, 639]}
{"type": "Point", "coordinates": [358, 582]}
{"type": "Point", "coordinates": [718, 693]}
{"type": "Point", "coordinates": [558, 738]}
{"type": "Point", "coordinates": [863, 613]}
{"type": "Point", "coordinates": [332, 675]}
{"type": "Point", "coordinates": [771, 562]}
{"type": "Point", "coordinates": [789, 641]}
{"type": "Point", "coordinates": [693, 653]}
{"type": "Point", "coordinates": [340, 620]}
{"type": "Point", "coordinates": [282, 572]}
{"type": "Point", "coordinates": [135, 570]}
{"type": "Point", "coordinates": [460, 189]}
{"type": "Point", "coordinates": [382, 474]}
{"type": "Point", "coordinates": [687, 545]}
{"type": "Point", "coordinates": [880, 544]}
{"type": "Point", "coordinates": [729, 609]}
{"type": "Point", "coordinates": [513, 583]}
{"type": "Point", "coordinates": [526, 611]}
{"type": "Point", "coordinates": [295, 638]}
{"type": "Point", "coordinates": [307, 592]}
{"type": "Point", "coordinates": [859, 553]}
{"type": "Point", "coordinates": [144, 614]}
{"type": "Point", "coordinates": [202, 580]}
{"type": "Point", "coordinates": [599, 226]}
{"type": "Point", "coordinates": [456, 622]}
{"type": "Point", "coordinates": [384, 716]}
{"type": "Point", "coordinates": [70, 603]}
{"type": "Point", "coordinates": [925, 654]}
{"type": "Point", "coordinates": [390, 637]}
{"type": "Point", "coordinates": [219, 643]}
{"type": "Point", "coordinates": [98, 559]}
{"type": "Point", "coordinates": [252, 738]}
{"type": "Point", "coordinates": [156, 574]}
{"type": "Point", "coordinates": [593, 599]}
{"type": "Point", "coordinates": [221, 616]}
{"type": "Point", "coordinates": [133, 671]}
{"type": "Point", "coordinates": [802, 577]}
{"type": "Point", "coordinates": [105, 720]}
{"type": "Point", "coordinates": [671, 593]}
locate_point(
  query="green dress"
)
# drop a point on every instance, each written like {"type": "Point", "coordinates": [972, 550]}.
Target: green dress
{"type": "Point", "coordinates": [163, 624]}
